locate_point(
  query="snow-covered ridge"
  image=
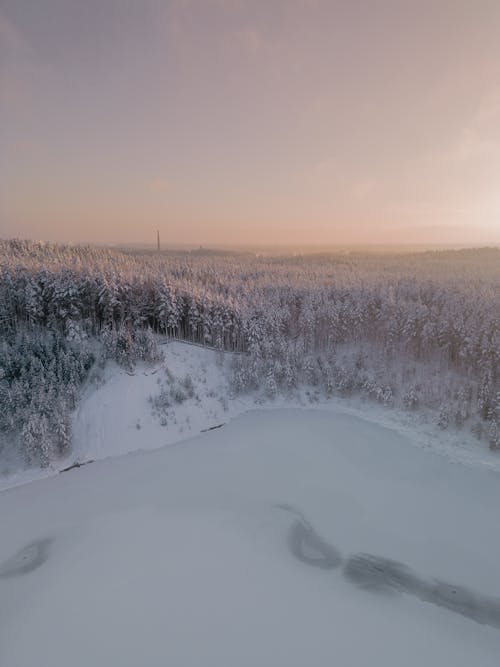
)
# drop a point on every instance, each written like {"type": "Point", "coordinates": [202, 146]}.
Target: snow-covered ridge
{"type": "Point", "coordinates": [117, 415]}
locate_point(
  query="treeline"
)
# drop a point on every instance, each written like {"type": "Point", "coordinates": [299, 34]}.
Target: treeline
{"type": "Point", "coordinates": [40, 378]}
{"type": "Point", "coordinates": [416, 330]}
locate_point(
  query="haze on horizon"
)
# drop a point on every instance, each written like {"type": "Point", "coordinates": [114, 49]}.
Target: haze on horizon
{"type": "Point", "coordinates": [250, 121]}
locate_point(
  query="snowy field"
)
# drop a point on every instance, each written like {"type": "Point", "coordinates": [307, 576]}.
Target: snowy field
{"type": "Point", "coordinates": [285, 536]}
{"type": "Point", "coordinates": [263, 542]}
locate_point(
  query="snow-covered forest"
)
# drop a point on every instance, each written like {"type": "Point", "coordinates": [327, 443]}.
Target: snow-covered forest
{"type": "Point", "coordinates": [414, 331]}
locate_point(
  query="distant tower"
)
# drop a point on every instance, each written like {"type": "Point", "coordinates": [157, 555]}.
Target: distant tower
{"type": "Point", "coordinates": [158, 240]}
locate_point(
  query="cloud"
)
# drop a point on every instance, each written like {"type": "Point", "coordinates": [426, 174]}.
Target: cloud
{"type": "Point", "coordinates": [473, 144]}
{"type": "Point", "coordinates": [11, 41]}
{"type": "Point", "coordinates": [481, 137]}
{"type": "Point", "coordinates": [365, 189]}
{"type": "Point", "coordinates": [489, 107]}
{"type": "Point", "coordinates": [17, 67]}
{"type": "Point", "coordinates": [160, 185]}
{"type": "Point", "coordinates": [250, 40]}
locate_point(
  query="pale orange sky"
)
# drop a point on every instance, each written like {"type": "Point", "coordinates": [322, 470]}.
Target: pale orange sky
{"type": "Point", "coordinates": [250, 121]}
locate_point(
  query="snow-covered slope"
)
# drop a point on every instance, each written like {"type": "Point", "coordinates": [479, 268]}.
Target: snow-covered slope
{"type": "Point", "coordinates": [242, 547]}
{"type": "Point", "coordinates": [116, 417]}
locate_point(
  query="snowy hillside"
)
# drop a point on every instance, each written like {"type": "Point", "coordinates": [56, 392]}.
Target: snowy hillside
{"type": "Point", "coordinates": [188, 392]}
{"type": "Point", "coordinates": [116, 417]}
{"type": "Point", "coordinates": [286, 537]}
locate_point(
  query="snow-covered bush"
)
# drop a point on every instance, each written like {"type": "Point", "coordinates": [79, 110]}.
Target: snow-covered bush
{"type": "Point", "coordinates": [443, 417]}
{"type": "Point", "coordinates": [127, 346]}
{"type": "Point", "coordinates": [410, 398]}
{"type": "Point", "coordinates": [494, 435]}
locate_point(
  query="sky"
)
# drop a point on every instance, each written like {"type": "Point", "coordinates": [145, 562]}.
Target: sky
{"type": "Point", "coordinates": [250, 121]}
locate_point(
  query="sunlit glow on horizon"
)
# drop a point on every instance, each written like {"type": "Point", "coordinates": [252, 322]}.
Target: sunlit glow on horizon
{"type": "Point", "coordinates": [244, 122]}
